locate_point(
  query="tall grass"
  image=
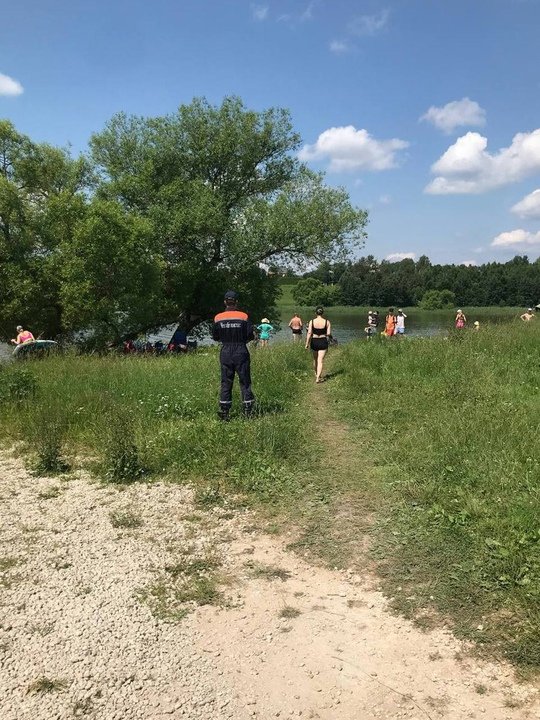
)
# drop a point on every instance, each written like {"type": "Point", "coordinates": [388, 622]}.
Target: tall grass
{"type": "Point", "coordinates": [163, 412]}
{"type": "Point", "coordinates": [453, 424]}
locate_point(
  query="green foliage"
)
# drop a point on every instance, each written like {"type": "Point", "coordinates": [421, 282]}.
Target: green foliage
{"type": "Point", "coordinates": [121, 462]}
{"type": "Point", "coordinates": [159, 414]}
{"type": "Point", "coordinates": [49, 448]}
{"type": "Point", "coordinates": [40, 200]}
{"type": "Point", "coordinates": [167, 213]}
{"type": "Point", "coordinates": [112, 288]}
{"type": "Point", "coordinates": [311, 291]}
{"type": "Point", "coordinates": [125, 520]}
{"type": "Point", "coordinates": [223, 192]}
{"type": "Point", "coordinates": [437, 300]}
{"type": "Point", "coordinates": [185, 584]}
{"type": "Point", "coordinates": [403, 284]}
{"type": "Point", "coordinates": [19, 384]}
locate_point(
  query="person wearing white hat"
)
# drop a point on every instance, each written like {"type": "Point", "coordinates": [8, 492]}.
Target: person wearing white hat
{"type": "Point", "coordinates": [400, 324]}
{"type": "Point", "coordinates": [461, 320]}
{"type": "Point", "coordinates": [527, 316]}
{"type": "Point", "coordinates": [264, 331]}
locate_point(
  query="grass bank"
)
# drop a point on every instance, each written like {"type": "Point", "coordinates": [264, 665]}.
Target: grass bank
{"type": "Point", "coordinates": [428, 447]}
{"type": "Point", "coordinates": [452, 428]}
{"type": "Point", "coordinates": [166, 409]}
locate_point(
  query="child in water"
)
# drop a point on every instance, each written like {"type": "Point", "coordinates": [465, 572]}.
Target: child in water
{"type": "Point", "coordinates": [264, 331]}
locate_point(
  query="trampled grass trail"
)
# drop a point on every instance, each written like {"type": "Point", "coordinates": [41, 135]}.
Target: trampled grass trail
{"type": "Point", "coordinates": [434, 446]}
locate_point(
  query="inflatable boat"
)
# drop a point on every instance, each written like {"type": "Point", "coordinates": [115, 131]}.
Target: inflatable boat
{"type": "Point", "coordinates": [36, 348]}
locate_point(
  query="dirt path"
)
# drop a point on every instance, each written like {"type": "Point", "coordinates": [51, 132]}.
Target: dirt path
{"type": "Point", "coordinates": [288, 639]}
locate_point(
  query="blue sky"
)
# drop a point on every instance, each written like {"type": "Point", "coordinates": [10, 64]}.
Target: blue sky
{"type": "Point", "coordinates": [461, 185]}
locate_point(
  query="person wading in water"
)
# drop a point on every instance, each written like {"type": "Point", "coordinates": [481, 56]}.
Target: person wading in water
{"type": "Point", "coordinates": [296, 326]}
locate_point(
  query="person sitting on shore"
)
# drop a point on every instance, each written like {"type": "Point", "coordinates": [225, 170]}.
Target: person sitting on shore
{"type": "Point", "coordinates": [527, 316]}
{"type": "Point", "coordinates": [23, 336]}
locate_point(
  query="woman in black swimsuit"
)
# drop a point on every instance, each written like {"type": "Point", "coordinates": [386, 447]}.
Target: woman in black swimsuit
{"type": "Point", "coordinates": [319, 331]}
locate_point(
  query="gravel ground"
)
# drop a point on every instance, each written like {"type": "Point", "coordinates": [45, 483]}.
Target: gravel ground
{"type": "Point", "coordinates": [79, 639]}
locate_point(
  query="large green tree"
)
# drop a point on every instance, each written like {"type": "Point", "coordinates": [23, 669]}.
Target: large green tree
{"type": "Point", "coordinates": [41, 201]}
{"type": "Point", "coordinates": [163, 216]}
{"type": "Point", "coordinates": [224, 194]}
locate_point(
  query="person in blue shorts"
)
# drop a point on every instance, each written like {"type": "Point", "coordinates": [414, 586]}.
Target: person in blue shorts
{"type": "Point", "coordinates": [400, 322]}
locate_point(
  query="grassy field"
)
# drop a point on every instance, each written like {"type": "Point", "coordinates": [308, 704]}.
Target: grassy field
{"type": "Point", "coordinates": [163, 407]}
{"type": "Point", "coordinates": [452, 428]}
{"type": "Point", "coordinates": [429, 447]}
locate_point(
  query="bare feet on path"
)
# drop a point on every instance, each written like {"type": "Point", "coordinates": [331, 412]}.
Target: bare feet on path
{"type": "Point", "coordinates": [78, 639]}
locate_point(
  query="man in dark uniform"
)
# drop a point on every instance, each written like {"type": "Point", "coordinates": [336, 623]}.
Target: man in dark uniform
{"type": "Point", "coordinates": [234, 329]}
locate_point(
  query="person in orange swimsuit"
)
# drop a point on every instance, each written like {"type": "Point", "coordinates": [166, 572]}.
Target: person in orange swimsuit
{"type": "Point", "coordinates": [390, 323]}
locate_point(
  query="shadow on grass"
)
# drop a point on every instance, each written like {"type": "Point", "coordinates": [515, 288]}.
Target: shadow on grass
{"type": "Point", "coordinates": [333, 375]}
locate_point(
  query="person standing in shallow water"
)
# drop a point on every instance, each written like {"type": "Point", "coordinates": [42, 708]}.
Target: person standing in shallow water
{"type": "Point", "coordinates": [318, 339]}
{"type": "Point", "coordinates": [264, 331]}
{"type": "Point", "coordinates": [460, 320]}
{"type": "Point", "coordinates": [296, 325]}
{"type": "Point", "coordinates": [390, 323]}
{"type": "Point", "coordinates": [400, 322]}
{"type": "Point", "coordinates": [233, 329]}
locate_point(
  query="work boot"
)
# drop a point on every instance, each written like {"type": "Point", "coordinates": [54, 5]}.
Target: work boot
{"type": "Point", "coordinates": [223, 415]}
{"type": "Point", "coordinates": [249, 410]}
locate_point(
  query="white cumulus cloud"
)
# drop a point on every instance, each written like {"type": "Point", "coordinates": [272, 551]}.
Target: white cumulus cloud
{"type": "Point", "coordinates": [467, 166]}
{"type": "Point", "coordinates": [259, 12]}
{"type": "Point", "coordinates": [369, 24]}
{"type": "Point", "coordinates": [350, 149]}
{"type": "Point", "coordinates": [529, 207]}
{"type": "Point", "coordinates": [9, 86]}
{"type": "Point", "coordinates": [397, 257]}
{"type": "Point", "coordinates": [516, 239]}
{"type": "Point", "coordinates": [339, 46]}
{"type": "Point", "coordinates": [455, 114]}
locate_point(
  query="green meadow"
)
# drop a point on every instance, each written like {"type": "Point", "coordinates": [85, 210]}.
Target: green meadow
{"type": "Point", "coordinates": [427, 449]}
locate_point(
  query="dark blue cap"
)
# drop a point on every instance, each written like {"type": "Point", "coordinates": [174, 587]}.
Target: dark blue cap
{"type": "Point", "coordinates": [231, 295]}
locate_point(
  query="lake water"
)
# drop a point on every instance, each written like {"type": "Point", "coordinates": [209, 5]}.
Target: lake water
{"type": "Point", "coordinates": [349, 324]}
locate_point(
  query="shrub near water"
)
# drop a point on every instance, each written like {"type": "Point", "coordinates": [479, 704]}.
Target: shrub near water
{"type": "Point", "coordinates": [454, 424]}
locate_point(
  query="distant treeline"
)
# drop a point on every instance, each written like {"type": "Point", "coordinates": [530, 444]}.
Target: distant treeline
{"type": "Point", "coordinates": [370, 282]}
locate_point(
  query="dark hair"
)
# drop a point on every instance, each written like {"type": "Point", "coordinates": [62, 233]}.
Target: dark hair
{"type": "Point", "coordinates": [319, 311]}
{"type": "Point", "coordinates": [390, 310]}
